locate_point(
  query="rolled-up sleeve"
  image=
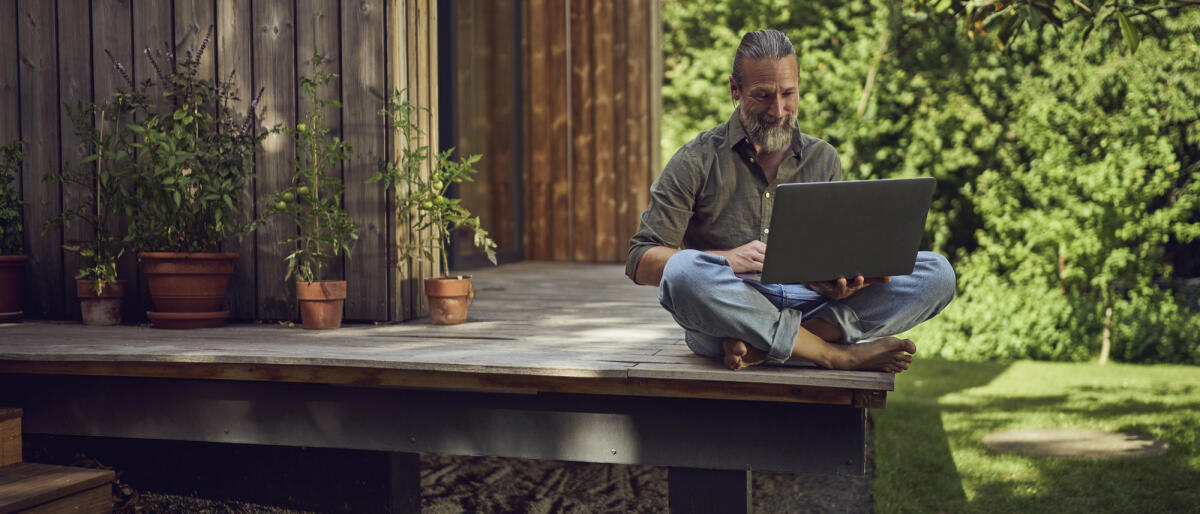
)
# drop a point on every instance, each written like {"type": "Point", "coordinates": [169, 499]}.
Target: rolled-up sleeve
{"type": "Point", "coordinates": [665, 220]}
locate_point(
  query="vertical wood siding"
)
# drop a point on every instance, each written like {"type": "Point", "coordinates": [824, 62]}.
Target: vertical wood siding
{"type": "Point", "coordinates": [593, 78]}
{"type": "Point", "coordinates": [52, 52]}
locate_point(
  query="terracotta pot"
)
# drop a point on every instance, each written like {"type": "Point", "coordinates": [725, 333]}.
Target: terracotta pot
{"type": "Point", "coordinates": [187, 288]}
{"type": "Point", "coordinates": [187, 320]}
{"type": "Point", "coordinates": [102, 309]}
{"type": "Point", "coordinates": [12, 286]}
{"type": "Point", "coordinates": [321, 303]}
{"type": "Point", "coordinates": [187, 282]}
{"type": "Point", "coordinates": [448, 299]}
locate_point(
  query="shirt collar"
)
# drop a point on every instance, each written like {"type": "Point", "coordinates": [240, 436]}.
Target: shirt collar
{"type": "Point", "coordinates": [736, 134]}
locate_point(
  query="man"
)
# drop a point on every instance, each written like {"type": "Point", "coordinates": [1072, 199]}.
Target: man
{"type": "Point", "coordinates": [714, 198]}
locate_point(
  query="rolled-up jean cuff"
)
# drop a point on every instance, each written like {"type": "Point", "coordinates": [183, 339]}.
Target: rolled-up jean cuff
{"type": "Point", "coordinates": [839, 315]}
{"type": "Point", "coordinates": [785, 335]}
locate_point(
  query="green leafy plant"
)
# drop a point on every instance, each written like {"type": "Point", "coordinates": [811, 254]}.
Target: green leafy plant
{"type": "Point", "coordinates": [108, 161]}
{"type": "Point", "coordinates": [10, 202]}
{"type": "Point", "coordinates": [423, 196]}
{"type": "Point", "coordinates": [1068, 172]}
{"type": "Point", "coordinates": [314, 201]}
{"type": "Point", "coordinates": [195, 154]}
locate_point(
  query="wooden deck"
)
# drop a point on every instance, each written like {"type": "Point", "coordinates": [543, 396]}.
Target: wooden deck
{"type": "Point", "coordinates": [568, 362]}
{"type": "Point", "coordinates": [545, 327]}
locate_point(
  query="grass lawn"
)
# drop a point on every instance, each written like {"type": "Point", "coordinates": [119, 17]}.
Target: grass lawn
{"type": "Point", "coordinates": [929, 454]}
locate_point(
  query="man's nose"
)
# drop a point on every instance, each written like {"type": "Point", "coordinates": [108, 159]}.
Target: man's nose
{"type": "Point", "coordinates": [776, 107]}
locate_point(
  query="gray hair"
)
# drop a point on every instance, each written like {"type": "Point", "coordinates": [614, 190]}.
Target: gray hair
{"type": "Point", "coordinates": [760, 44]}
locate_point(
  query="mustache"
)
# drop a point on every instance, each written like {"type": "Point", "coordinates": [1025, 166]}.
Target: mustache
{"type": "Point", "coordinates": [763, 131]}
{"type": "Point", "coordinates": [771, 120]}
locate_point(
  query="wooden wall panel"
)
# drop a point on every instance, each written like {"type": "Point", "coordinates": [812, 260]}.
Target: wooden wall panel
{"type": "Point", "coordinates": [193, 19]}
{"type": "Point", "coordinates": [151, 43]}
{"type": "Point", "coordinates": [636, 119]}
{"type": "Point", "coordinates": [234, 31]}
{"type": "Point", "coordinates": [75, 91]}
{"type": "Point", "coordinates": [538, 136]}
{"type": "Point", "coordinates": [318, 29]}
{"type": "Point", "coordinates": [151, 35]}
{"type": "Point", "coordinates": [604, 179]}
{"type": "Point", "coordinates": [275, 72]}
{"type": "Point", "coordinates": [609, 133]}
{"type": "Point", "coordinates": [39, 106]}
{"type": "Point", "coordinates": [620, 113]}
{"type": "Point", "coordinates": [654, 87]}
{"type": "Point", "coordinates": [112, 22]}
{"type": "Point", "coordinates": [399, 274]}
{"type": "Point", "coordinates": [501, 153]}
{"type": "Point", "coordinates": [426, 83]}
{"type": "Point", "coordinates": [560, 132]}
{"type": "Point", "coordinates": [583, 228]}
{"type": "Point", "coordinates": [364, 81]}
{"type": "Point", "coordinates": [55, 52]}
{"type": "Point", "coordinates": [10, 89]}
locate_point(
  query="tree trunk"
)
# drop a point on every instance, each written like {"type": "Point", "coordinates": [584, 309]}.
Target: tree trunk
{"type": "Point", "coordinates": [1106, 338]}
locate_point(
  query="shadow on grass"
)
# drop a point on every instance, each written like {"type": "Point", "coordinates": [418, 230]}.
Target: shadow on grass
{"type": "Point", "coordinates": [914, 468]}
{"type": "Point", "coordinates": [930, 456]}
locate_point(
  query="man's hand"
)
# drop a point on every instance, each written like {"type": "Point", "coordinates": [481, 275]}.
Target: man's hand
{"type": "Point", "coordinates": [841, 288]}
{"type": "Point", "coordinates": [746, 258]}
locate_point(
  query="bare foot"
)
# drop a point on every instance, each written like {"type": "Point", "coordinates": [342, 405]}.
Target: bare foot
{"type": "Point", "coordinates": [740, 355]}
{"type": "Point", "coordinates": [890, 354]}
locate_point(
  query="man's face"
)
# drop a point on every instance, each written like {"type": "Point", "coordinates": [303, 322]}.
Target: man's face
{"type": "Point", "coordinates": [769, 100]}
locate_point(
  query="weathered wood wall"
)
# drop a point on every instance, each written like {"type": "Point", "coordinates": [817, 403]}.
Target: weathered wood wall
{"type": "Point", "coordinates": [52, 53]}
{"type": "Point", "coordinates": [592, 108]}
{"type": "Point", "coordinates": [562, 100]}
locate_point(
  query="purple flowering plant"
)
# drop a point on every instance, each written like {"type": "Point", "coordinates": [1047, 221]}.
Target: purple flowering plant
{"type": "Point", "coordinates": [195, 152]}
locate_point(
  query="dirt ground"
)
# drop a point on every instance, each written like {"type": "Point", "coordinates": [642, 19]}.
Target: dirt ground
{"type": "Point", "coordinates": [496, 485]}
{"type": "Point", "coordinates": [150, 480]}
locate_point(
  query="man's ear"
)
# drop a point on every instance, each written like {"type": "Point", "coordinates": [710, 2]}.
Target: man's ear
{"type": "Point", "coordinates": [733, 89]}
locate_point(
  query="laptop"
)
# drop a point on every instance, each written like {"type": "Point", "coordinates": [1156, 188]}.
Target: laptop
{"type": "Point", "coordinates": [868, 227]}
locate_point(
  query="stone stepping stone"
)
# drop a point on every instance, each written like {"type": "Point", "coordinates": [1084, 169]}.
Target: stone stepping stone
{"type": "Point", "coordinates": [1073, 443]}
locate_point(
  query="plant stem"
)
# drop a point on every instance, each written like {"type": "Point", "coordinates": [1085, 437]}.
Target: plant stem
{"type": "Point", "coordinates": [99, 160]}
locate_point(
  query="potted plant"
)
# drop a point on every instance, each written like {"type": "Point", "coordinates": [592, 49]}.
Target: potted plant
{"type": "Point", "coordinates": [324, 229]}
{"type": "Point", "coordinates": [194, 155]}
{"type": "Point", "coordinates": [100, 173]}
{"type": "Point", "coordinates": [422, 195]}
{"type": "Point", "coordinates": [12, 261]}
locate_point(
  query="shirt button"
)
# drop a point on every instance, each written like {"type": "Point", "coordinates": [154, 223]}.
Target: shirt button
{"type": "Point", "coordinates": [766, 231]}
{"type": "Point", "coordinates": [768, 195]}
{"type": "Point", "coordinates": [751, 159]}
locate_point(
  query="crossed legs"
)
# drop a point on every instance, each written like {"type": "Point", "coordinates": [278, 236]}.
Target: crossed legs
{"type": "Point", "coordinates": [816, 342]}
{"type": "Point", "coordinates": [727, 318]}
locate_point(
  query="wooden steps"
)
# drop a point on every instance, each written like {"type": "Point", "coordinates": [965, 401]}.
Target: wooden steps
{"type": "Point", "coordinates": [10, 436]}
{"type": "Point", "coordinates": [30, 487]}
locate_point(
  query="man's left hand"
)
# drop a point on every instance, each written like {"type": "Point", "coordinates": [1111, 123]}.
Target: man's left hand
{"type": "Point", "coordinates": [842, 288]}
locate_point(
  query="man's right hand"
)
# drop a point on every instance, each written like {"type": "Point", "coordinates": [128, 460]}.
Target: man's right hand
{"type": "Point", "coordinates": [746, 258]}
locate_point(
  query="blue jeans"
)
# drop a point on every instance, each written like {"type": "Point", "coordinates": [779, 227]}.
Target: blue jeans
{"type": "Point", "coordinates": [711, 303]}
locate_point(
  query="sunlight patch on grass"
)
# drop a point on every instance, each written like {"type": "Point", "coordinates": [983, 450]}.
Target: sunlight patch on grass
{"type": "Point", "coordinates": [930, 456]}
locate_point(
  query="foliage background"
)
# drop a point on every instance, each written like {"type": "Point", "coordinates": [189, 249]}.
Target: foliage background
{"type": "Point", "coordinates": [1068, 170]}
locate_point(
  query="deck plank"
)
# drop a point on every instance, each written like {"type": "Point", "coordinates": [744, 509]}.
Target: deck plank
{"type": "Point", "coordinates": [614, 340]}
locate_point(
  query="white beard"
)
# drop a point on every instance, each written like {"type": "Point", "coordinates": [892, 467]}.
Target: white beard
{"type": "Point", "coordinates": [761, 132]}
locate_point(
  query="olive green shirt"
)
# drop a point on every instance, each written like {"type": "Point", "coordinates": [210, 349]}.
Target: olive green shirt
{"type": "Point", "coordinates": [713, 195]}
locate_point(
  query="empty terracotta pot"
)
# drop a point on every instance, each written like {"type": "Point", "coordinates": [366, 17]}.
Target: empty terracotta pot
{"type": "Point", "coordinates": [448, 299]}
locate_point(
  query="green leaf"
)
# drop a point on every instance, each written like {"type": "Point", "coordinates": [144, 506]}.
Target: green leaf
{"type": "Point", "coordinates": [1129, 33]}
{"type": "Point", "coordinates": [178, 200]}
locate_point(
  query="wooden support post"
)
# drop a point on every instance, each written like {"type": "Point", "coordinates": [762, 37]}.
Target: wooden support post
{"type": "Point", "coordinates": [725, 491]}
{"type": "Point", "coordinates": [404, 482]}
